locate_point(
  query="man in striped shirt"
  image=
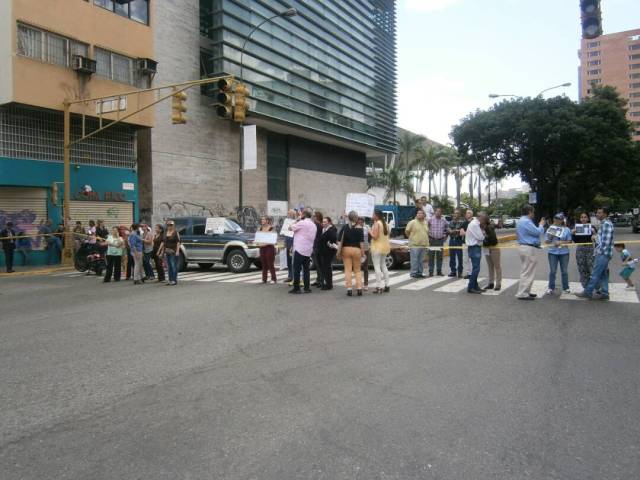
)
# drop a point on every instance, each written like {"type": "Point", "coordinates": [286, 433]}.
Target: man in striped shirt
{"type": "Point", "coordinates": [602, 255]}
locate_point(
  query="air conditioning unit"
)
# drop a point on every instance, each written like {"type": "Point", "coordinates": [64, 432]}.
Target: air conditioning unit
{"type": "Point", "coordinates": [84, 65]}
{"type": "Point", "coordinates": [147, 66]}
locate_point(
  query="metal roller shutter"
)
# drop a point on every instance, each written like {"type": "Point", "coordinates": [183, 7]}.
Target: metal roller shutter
{"type": "Point", "coordinates": [26, 208]}
{"type": "Point", "coordinates": [113, 213]}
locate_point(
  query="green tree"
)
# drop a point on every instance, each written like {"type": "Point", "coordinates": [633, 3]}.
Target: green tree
{"type": "Point", "coordinates": [567, 152]}
{"type": "Point", "coordinates": [427, 162]}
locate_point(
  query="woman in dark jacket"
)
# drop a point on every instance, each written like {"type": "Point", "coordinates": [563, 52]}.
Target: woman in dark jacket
{"type": "Point", "coordinates": [327, 252]}
{"type": "Point", "coordinates": [157, 259]}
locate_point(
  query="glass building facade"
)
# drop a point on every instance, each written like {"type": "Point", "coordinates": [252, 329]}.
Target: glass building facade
{"type": "Point", "coordinates": [331, 68]}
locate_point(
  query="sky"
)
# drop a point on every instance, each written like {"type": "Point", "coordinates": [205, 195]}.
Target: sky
{"type": "Point", "coordinates": [453, 53]}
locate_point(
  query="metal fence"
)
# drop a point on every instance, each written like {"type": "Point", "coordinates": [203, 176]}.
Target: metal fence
{"type": "Point", "coordinates": [37, 134]}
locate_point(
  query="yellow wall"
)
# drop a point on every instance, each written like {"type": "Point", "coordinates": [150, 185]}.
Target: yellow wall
{"type": "Point", "coordinates": [45, 85]}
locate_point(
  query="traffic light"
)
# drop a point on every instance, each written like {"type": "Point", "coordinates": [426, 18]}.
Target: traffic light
{"type": "Point", "coordinates": [178, 107]}
{"type": "Point", "coordinates": [240, 106]}
{"type": "Point", "coordinates": [224, 98]}
{"type": "Point", "coordinates": [591, 18]}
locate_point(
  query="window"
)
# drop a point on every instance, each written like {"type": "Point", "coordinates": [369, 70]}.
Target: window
{"type": "Point", "coordinates": [594, 72]}
{"type": "Point", "coordinates": [593, 44]}
{"type": "Point", "coordinates": [48, 47]}
{"type": "Point", "coordinates": [594, 54]}
{"type": "Point", "coordinates": [634, 66]}
{"type": "Point", "coordinates": [594, 63]}
{"type": "Point", "coordinates": [635, 56]}
{"type": "Point", "coordinates": [634, 75]}
{"type": "Point", "coordinates": [137, 10]}
{"type": "Point", "coordinates": [595, 81]}
{"type": "Point", "coordinates": [115, 67]}
{"type": "Point", "coordinates": [633, 38]}
{"type": "Point", "coordinates": [634, 95]}
{"type": "Point", "coordinates": [634, 114]}
{"type": "Point", "coordinates": [634, 104]}
{"type": "Point", "coordinates": [634, 47]}
{"type": "Point", "coordinates": [634, 85]}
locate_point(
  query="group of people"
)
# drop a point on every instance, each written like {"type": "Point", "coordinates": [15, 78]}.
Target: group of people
{"type": "Point", "coordinates": [315, 238]}
{"type": "Point", "coordinates": [594, 250]}
{"type": "Point", "coordinates": [140, 249]}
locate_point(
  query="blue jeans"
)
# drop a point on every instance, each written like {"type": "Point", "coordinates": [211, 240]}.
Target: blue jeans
{"type": "Point", "coordinates": [416, 255]}
{"type": "Point", "coordinates": [475, 255]}
{"type": "Point", "coordinates": [599, 276]}
{"type": "Point", "coordinates": [300, 262]}
{"type": "Point", "coordinates": [554, 260]}
{"type": "Point", "coordinates": [172, 264]}
{"type": "Point", "coordinates": [146, 264]}
{"type": "Point", "coordinates": [54, 249]}
{"type": "Point", "coordinates": [455, 255]}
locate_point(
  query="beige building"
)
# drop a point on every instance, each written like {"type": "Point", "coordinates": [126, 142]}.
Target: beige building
{"type": "Point", "coordinates": [614, 59]}
{"type": "Point", "coordinates": [57, 50]}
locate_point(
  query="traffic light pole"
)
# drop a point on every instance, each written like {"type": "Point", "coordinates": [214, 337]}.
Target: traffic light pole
{"type": "Point", "coordinates": [67, 254]}
{"type": "Point", "coordinates": [240, 200]}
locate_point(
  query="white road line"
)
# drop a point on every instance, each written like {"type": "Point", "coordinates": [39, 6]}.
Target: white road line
{"type": "Point", "coordinates": [193, 278]}
{"type": "Point", "coordinates": [236, 277]}
{"type": "Point", "coordinates": [457, 286]}
{"type": "Point", "coordinates": [539, 287]}
{"type": "Point", "coordinates": [617, 293]}
{"type": "Point", "coordinates": [424, 283]}
{"type": "Point", "coordinates": [400, 279]}
{"type": "Point", "coordinates": [506, 284]}
{"type": "Point", "coordinates": [243, 278]}
{"type": "Point", "coordinates": [68, 274]}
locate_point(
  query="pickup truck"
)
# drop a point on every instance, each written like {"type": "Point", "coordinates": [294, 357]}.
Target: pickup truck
{"type": "Point", "coordinates": [233, 247]}
{"type": "Point", "coordinates": [397, 217]}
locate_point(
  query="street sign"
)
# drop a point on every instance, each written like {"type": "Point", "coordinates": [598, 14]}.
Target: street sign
{"type": "Point", "coordinates": [533, 198]}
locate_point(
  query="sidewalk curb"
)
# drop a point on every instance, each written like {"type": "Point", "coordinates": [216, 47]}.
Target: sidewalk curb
{"type": "Point", "coordinates": [44, 271]}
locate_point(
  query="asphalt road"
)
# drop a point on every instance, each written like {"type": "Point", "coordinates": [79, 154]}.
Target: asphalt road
{"type": "Point", "coordinates": [236, 381]}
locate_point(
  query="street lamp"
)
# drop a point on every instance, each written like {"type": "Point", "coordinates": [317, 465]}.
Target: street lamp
{"type": "Point", "coordinates": [497, 95]}
{"type": "Point", "coordinates": [290, 12]}
{"type": "Point", "coordinates": [568, 84]}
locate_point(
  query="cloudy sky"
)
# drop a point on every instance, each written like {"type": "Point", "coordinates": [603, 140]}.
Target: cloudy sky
{"type": "Point", "coordinates": [453, 53]}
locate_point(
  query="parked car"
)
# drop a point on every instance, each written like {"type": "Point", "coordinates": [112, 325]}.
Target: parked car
{"type": "Point", "coordinates": [497, 221]}
{"type": "Point", "coordinates": [231, 247]}
{"type": "Point", "coordinates": [621, 221]}
{"type": "Point", "coordinates": [509, 222]}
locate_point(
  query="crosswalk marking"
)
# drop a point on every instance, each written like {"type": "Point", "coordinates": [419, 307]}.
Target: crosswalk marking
{"type": "Point", "coordinates": [506, 283]}
{"type": "Point", "coordinates": [455, 287]}
{"type": "Point", "coordinates": [402, 279]}
{"type": "Point", "coordinates": [424, 283]}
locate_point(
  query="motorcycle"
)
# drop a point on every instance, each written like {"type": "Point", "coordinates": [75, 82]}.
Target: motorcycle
{"type": "Point", "coordinates": [90, 258]}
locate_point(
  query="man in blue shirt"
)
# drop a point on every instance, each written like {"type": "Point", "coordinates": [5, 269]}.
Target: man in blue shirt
{"type": "Point", "coordinates": [602, 255]}
{"type": "Point", "coordinates": [529, 242]}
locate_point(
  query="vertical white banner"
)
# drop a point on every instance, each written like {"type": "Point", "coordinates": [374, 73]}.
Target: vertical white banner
{"type": "Point", "coordinates": [249, 148]}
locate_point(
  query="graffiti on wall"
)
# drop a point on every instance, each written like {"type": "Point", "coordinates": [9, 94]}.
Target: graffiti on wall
{"type": "Point", "coordinates": [24, 221]}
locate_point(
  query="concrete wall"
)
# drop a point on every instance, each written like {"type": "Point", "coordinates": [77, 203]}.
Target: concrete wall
{"type": "Point", "coordinates": [195, 166]}
{"type": "Point", "coordinates": [326, 192]}
{"type": "Point", "coordinates": [6, 65]}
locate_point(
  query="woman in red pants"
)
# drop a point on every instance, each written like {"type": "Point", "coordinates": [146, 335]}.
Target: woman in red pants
{"type": "Point", "coordinates": [267, 253]}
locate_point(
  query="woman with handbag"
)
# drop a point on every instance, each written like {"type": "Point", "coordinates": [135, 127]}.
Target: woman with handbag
{"type": "Point", "coordinates": [351, 250]}
{"type": "Point", "coordinates": [171, 248]}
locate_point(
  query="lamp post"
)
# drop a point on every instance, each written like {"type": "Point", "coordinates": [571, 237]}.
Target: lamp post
{"type": "Point", "coordinates": [498, 95]}
{"type": "Point", "coordinates": [290, 12]}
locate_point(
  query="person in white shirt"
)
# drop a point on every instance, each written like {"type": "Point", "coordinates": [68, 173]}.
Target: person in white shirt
{"type": "Point", "coordinates": [473, 239]}
{"type": "Point", "coordinates": [427, 207]}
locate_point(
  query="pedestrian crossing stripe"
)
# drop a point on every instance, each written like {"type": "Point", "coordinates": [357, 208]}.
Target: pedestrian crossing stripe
{"type": "Point", "coordinates": [617, 291]}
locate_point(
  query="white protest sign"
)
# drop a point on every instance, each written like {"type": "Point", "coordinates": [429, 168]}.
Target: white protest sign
{"type": "Point", "coordinates": [266, 238]}
{"type": "Point", "coordinates": [583, 229]}
{"type": "Point", "coordinates": [249, 148]}
{"type": "Point", "coordinates": [277, 208]}
{"type": "Point", "coordinates": [361, 203]}
{"type": "Point", "coordinates": [284, 231]}
{"type": "Point", "coordinates": [555, 231]}
{"type": "Point", "coordinates": [636, 211]}
{"type": "Point", "coordinates": [214, 225]}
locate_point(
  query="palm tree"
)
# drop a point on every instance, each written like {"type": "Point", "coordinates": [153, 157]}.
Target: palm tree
{"type": "Point", "coordinates": [459, 172]}
{"type": "Point", "coordinates": [409, 144]}
{"type": "Point", "coordinates": [394, 180]}
{"type": "Point", "coordinates": [428, 160]}
{"type": "Point", "coordinates": [448, 163]}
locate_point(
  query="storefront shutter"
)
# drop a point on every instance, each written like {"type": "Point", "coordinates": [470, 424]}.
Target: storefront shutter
{"type": "Point", "coordinates": [113, 213]}
{"type": "Point", "coordinates": [26, 208]}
